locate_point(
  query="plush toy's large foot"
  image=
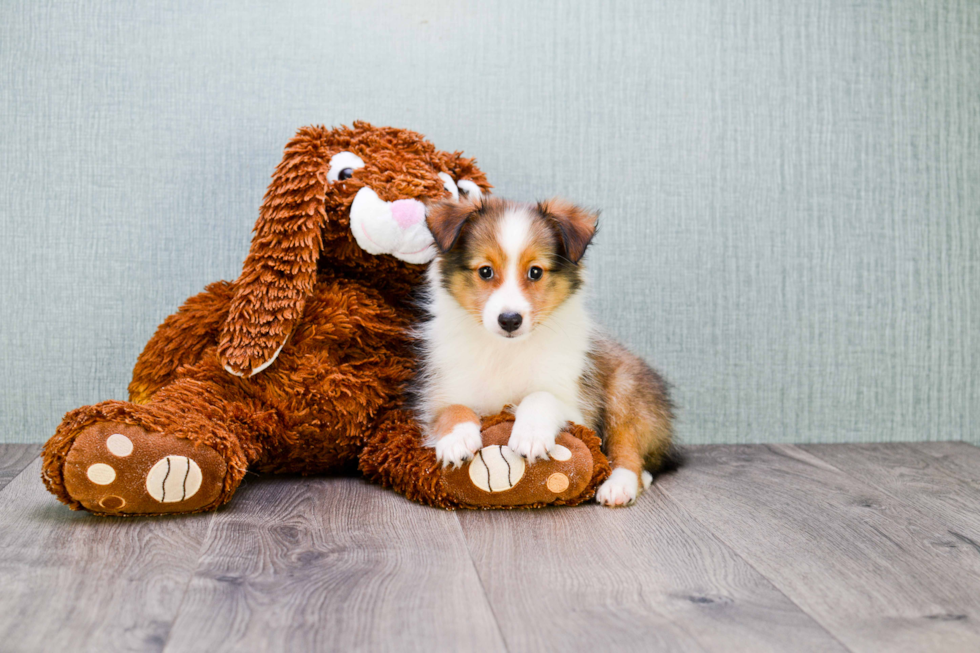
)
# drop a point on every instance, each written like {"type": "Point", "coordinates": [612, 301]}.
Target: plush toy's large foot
{"type": "Point", "coordinates": [119, 468]}
{"type": "Point", "coordinates": [496, 478]}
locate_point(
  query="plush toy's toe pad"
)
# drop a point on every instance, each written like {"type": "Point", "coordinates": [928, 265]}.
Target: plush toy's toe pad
{"type": "Point", "coordinates": [118, 468]}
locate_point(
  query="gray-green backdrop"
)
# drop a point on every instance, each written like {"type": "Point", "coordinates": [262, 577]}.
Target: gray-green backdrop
{"type": "Point", "coordinates": [790, 190]}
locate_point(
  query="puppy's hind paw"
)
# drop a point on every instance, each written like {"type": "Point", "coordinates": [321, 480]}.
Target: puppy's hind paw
{"type": "Point", "coordinates": [647, 479]}
{"type": "Point", "coordinates": [459, 445]}
{"type": "Point", "coordinates": [620, 489]}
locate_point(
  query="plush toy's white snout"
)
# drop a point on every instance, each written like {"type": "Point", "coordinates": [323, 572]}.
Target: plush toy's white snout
{"type": "Point", "coordinates": [397, 228]}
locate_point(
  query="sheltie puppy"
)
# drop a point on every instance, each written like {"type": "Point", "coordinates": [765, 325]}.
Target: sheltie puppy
{"type": "Point", "coordinates": [508, 326]}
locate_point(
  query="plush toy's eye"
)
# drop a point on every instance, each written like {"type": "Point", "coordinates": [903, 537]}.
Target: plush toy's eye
{"type": "Point", "coordinates": [534, 273]}
{"type": "Point", "coordinates": [486, 273]}
{"type": "Point", "coordinates": [343, 165]}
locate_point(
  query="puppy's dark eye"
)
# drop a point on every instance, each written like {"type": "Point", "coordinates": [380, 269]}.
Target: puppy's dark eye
{"type": "Point", "coordinates": [346, 173]}
{"type": "Point", "coordinates": [534, 273]}
{"type": "Point", "coordinates": [486, 273]}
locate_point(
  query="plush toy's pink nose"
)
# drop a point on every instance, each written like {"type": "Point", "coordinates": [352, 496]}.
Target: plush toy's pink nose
{"type": "Point", "coordinates": [407, 212]}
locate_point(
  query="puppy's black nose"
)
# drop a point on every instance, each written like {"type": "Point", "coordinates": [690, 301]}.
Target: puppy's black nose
{"type": "Point", "coordinates": [510, 322]}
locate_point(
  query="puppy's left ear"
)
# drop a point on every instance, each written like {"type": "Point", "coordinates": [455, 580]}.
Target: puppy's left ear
{"type": "Point", "coordinates": [576, 226]}
{"type": "Point", "coordinates": [446, 220]}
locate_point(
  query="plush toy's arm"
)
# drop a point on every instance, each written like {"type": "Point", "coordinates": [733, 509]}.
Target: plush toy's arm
{"type": "Point", "coordinates": [280, 270]}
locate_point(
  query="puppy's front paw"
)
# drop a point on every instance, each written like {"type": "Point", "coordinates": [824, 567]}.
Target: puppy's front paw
{"type": "Point", "coordinates": [533, 439]}
{"type": "Point", "coordinates": [620, 489]}
{"type": "Point", "coordinates": [459, 445]}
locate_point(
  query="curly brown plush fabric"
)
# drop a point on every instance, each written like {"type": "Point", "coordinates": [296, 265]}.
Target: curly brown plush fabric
{"type": "Point", "coordinates": [200, 414]}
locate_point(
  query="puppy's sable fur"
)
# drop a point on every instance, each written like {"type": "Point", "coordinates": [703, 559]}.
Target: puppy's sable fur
{"type": "Point", "coordinates": [508, 326]}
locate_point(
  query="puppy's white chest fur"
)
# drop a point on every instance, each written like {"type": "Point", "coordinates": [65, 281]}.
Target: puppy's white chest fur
{"type": "Point", "coordinates": [468, 365]}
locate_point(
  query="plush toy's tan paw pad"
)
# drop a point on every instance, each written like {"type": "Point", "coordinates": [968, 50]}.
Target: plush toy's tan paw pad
{"type": "Point", "coordinates": [120, 468]}
{"type": "Point", "coordinates": [496, 469]}
{"type": "Point", "coordinates": [173, 479]}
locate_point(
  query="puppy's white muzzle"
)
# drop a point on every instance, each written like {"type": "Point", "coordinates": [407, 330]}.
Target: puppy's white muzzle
{"type": "Point", "coordinates": [397, 228]}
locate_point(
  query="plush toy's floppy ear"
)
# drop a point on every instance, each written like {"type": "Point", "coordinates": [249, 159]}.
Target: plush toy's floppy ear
{"type": "Point", "coordinates": [280, 270]}
{"type": "Point", "coordinates": [446, 220]}
{"type": "Point", "coordinates": [576, 226]}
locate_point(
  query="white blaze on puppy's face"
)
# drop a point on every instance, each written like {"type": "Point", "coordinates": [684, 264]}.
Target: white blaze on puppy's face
{"type": "Point", "coordinates": [513, 236]}
{"type": "Point", "coordinates": [505, 264]}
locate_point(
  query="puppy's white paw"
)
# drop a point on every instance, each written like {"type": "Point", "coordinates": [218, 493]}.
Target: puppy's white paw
{"type": "Point", "coordinates": [620, 489]}
{"type": "Point", "coordinates": [459, 445]}
{"type": "Point", "coordinates": [647, 479]}
{"type": "Point", "coordinates": [533, 439]}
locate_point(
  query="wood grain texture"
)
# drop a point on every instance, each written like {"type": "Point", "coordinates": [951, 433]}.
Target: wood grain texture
{"type": "Point", "coordinates": [74, 582]}
{"type": "Point", "coordinates": [14, 458]}
{"type": "Point", "coordinates": [747, 548]}
{"type": "Point", "coordinates": [914, 477]}
{"type": "Point", "coordinates": [645, 578]}
{"type": "Point", "coordinates": [957, 459]}
{"type": "Point", "coordinates": [315, 564]}
{"type": "Point", "coordinates": [874, 571]}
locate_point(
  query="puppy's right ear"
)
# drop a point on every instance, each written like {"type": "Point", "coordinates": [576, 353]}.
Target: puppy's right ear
{"type": "Point", "coordinates": [446, 220]}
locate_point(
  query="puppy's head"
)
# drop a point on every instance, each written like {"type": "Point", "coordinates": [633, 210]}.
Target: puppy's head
{"type": "Point", "coordinates": [511, 265]}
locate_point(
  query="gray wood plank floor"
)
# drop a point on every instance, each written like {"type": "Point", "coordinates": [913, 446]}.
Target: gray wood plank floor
{"type": "Point", "coordinates": [747, 548]}
{"type": "Point", "coordinates": [14, 458]}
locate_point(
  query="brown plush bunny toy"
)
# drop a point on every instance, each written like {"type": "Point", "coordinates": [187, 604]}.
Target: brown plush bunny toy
{"type": "Point", "coordinates": [292, 366]}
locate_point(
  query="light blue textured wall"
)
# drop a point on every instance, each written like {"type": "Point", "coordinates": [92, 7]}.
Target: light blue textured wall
{"type": "Point", "coordinates": [791, 190]}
